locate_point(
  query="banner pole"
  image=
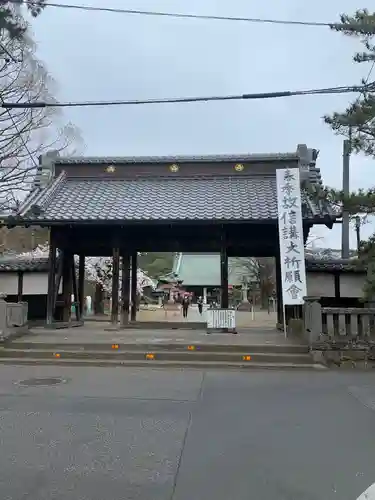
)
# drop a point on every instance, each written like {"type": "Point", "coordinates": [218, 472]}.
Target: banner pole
{"type": "Point", "coordinates": [284, 322]}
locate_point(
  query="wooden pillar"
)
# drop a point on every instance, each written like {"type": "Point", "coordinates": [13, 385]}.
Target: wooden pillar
{"type": "Point", "coordinates": [77, 308]}
{"type": "Point", "coordinates": [58, 278]}
{"type": "Point", "coordinates": [20, 286]}
{"type": "Point", "coordinates": [224, 274]}
{"type": "Point", "coordinates": [51, 280]}
{"type": "Point", "coordinates": [125, 289]}
{"type": "Point", "coordinates": [115, 284]}
{"type": "Point", "coordinates": [81, 284]}
{"type": "Point", "coordinates": [336, 278]}
{"type": "Point", "coordinates": [134, 264]}
{"type": "Point", "coordinates": [67, 277]}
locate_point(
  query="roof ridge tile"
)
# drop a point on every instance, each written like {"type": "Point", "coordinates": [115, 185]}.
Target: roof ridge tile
{"type": "Point", "coordinates": [43, 195]}
{"type": "Point", "coordinates": [180, 158]}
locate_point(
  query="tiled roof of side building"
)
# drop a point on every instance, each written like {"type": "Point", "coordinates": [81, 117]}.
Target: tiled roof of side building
{"type": "Point", "coordinates": [332, 265]}
{"type": "Point", "coordinates": [23, 264]}
{"type": "Point", "coordinates": [162, 198]}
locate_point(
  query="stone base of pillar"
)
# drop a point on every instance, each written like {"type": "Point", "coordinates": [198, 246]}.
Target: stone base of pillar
{"type": "Point", "coordinates": [244, 306]}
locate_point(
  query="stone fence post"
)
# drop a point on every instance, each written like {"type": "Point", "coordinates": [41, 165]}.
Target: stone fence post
{"type": "Point", "coordinates": [312, 317]}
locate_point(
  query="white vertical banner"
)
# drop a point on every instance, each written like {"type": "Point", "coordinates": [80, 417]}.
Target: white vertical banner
{"type": "Point", "coordinates": [292, 250]}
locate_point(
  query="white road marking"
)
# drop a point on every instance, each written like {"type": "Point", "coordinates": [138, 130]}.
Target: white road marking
{"type": "Point", "coordinates": [369, 494]}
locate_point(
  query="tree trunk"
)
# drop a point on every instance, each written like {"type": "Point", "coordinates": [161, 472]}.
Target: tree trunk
{"type": "Point", "coordinates": [264, 296]}
{"type": "Point", "coordinates": [99, 299]}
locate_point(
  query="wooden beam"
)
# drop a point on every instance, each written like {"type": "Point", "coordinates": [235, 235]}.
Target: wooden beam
{"type": "Point", "coordinates": [115, 284]}
{"type": "Point", "coordinates": [125, 289]}
{"type": "Point", "coordinates": [20, 286]}
{"type": "Point", "coordinates": [81, 284]}
{"type": "Point", "coordinates": [134, 267]}
{"type": "Point", "coordinates": [51, 279]}
{"type": "Point", "coordinates": [98, 240]}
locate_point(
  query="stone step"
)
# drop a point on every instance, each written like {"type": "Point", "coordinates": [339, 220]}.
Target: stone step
{"type": "Point", "coordinates": [190, 364]}
{"type": "Point", "coordinates": [158, 355]}
{"type": "Point", "coordinates": [160, 346]}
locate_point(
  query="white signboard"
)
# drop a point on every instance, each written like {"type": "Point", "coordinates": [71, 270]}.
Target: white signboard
{"type": "Point", "coordinates": [221, 318]}
{"type": "Point", "coordinates": [292, 251]}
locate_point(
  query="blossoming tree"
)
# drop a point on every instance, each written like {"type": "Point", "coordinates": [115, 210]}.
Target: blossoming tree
{"type": "Point", "coordinates": [98, 271]}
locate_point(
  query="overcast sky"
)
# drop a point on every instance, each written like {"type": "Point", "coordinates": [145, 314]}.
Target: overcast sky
{"type": "Point", "coordinates": [101, 56]}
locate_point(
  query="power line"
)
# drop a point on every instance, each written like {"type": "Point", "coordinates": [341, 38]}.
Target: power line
{"type": "Point", "coordinates": [363, 27]}
{"type": "Point", "coordinates": [171, 100]}
{"type": "Point", "coordinates": [369, 73]}
{"type": "Point", "coordinates": [114, 10]}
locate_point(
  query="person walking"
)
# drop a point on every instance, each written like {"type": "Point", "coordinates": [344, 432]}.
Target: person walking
{"type": "Point", "coordinates": [200, 305]}
{"type": "Point", "coordinates": [185, 306]}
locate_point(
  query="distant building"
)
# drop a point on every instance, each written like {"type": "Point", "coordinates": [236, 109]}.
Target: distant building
{"type": "Point", "coordinates": [336, 281]}
{"type": "Point", "coordinates": [200, 274]}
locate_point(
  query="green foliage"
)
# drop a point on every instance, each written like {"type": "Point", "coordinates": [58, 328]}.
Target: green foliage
{"type": "Point", "coordinates": [361, 201]}
{"type": "Point", "coordinates": [156, 264]}
{"type": "Point", "coordinates": [11, 23]}
{"type": "Point", "coordinates": [358, 119]}
{"type": "Point", "coordinates": [357, 122]}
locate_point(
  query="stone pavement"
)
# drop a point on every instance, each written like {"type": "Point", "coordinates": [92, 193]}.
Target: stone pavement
{"type": "Point", "coordinates": [145, 434]}
{"type": "Point", "coordinates": [100, 332]}
{"type": "Point", "coordinates": [243, 318]}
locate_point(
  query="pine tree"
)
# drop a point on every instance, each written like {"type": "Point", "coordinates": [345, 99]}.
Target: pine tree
{"type": "Point", "coordinates": [358, 119]}
{"type": "Point", "coordinates": [357, 122]}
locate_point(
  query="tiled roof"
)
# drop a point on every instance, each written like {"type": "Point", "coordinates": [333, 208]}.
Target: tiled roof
{"type": "Point", "coordinates": [25, 264]}
{"type": "Point", "coordinates": [160, 198]}
{"type": "Point", "coordinates": [344, 265]}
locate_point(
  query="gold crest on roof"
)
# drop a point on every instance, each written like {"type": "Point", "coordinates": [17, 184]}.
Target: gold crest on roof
{"type": "Point", "coordinates": [238, 167]}
{"type": "Point", "coordinates": [174, 168]}
{"type": "Point", "coordinates": [110, 169]}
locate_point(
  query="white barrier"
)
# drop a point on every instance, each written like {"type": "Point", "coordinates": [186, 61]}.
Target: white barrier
{"type": "Point", "coordinates": [218, 319]}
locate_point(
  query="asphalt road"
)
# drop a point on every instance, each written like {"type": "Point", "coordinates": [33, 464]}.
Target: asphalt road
{"type": "Point", "coordinates": [124, 434]}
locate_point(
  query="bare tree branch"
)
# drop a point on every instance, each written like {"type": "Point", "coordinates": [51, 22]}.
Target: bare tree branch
{"type": "Point", "coordinates": [25, 134]}
{"type": "Point", "coordinates": [256, 270]}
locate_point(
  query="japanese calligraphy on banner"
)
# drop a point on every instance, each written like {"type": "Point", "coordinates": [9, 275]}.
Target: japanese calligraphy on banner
{"type": "Point", "coordinates": [292, 251]}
